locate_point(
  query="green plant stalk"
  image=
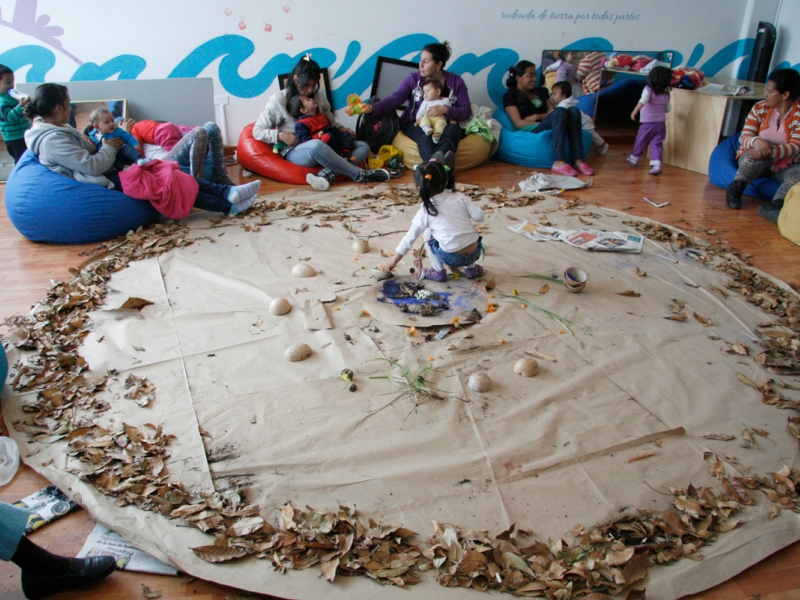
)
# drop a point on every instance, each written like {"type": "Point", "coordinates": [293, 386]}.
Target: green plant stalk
{"type": "Point", "coordinates": [564, 321]}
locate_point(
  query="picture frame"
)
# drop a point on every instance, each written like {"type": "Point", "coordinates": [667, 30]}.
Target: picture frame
{"type": "Point", "coordinates": [324, 84]}
{"type": "Point", "coordinates": [82, 109]}
{"type": "Point", "coordinates": [389, 74]}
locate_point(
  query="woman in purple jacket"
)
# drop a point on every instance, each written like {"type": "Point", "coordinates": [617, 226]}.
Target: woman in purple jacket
{"type": "Point", "coordinates": [431, 64]}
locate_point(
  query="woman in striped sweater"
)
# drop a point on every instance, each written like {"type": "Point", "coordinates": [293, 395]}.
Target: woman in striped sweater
{"type": "Point", "coordinates": [770, 142]}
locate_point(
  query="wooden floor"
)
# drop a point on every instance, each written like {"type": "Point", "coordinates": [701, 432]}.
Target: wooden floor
{"type": "Point", "coordinates": [694, 205]}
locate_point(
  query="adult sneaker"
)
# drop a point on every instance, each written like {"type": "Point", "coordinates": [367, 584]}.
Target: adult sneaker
{"type": "Point", "coordinates": [380, 175]}
{"type": "Point", "coordinates": [321, 184]}
{"type": "Point", "coordinates": [450, 160]}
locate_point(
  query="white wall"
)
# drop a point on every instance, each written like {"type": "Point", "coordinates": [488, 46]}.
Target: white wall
{"type": "Point", "coordinates": [244, 44]}
{"type": "Point", "coordinates": [787, 45]}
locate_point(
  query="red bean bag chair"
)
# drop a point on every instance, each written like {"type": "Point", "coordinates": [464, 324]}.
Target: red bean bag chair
{"type": "Point", "coordinates": [258, 157]}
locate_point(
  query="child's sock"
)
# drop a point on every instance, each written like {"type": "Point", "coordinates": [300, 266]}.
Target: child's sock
{"type": "Point", "coordinates": [242, 206]}
{"type": "Point", "coordinates": [240, 193]}
{"type": "Point", "coordinates": [435, 138]}
{"type": "Point", "coordinates": [427, 129]}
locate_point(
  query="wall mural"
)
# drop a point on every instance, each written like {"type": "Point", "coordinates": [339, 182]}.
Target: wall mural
{"type": "Point", "coordinates": [233, 50]}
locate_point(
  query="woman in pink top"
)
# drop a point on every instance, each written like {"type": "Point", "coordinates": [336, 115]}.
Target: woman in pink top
{"type": "Point", "coordinates": [770, 143]}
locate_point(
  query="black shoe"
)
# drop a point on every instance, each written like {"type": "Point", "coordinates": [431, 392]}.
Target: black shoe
{"type": "Point", "coordinates": [734, 196]}
{"type": "Point", "coordinates": [81, 572]}
{"type": "Point", "coordinates": [771, 211]}
{"type": "Point", "coordinates": [450, 160]}
{"type": "Point", "coordinates": [438, 157]}
{"type": "Point", "coordinates": [376, 175]}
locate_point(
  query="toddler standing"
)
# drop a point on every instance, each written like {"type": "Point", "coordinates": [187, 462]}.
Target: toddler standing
{"type": "Point", "coordinates": [13, 124]}
{"type": "Point", "coordinates": [444, 218]}
{"type": "Point", "coordinates": [653, 106]}
{"type": "Point", "coordinates": [432, 96]}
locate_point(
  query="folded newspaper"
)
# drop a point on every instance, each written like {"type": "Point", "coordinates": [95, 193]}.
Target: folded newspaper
{"type": "Point", "coordinates": [588, 239]}
{"type": "Point", "coordinates": [104, 542]}
{"type": "Point", "coordinates": [48, 504]}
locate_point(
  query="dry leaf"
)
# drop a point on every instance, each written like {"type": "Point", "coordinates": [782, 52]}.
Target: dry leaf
{"type": "Point", "coordinates": [723, 437]}
{"type": "Point", "coordinates": [151, 595]}
{"type": "Point", "coordinates": [629, 294]}
{"type": "Point", "coordinates": [135, 303]}
{"type": "Point", "coordinates": [218, 554]}
{"type": "Point", "coordinates": [716, 468]}
{"type": "Point", "coordinates": [749, 439]}
{"type": "Point", "coordinates": [544, 289]}
{"type": "Point", "coordinates": [739, 348]}
{"type": "Point", "coordinates": [640, 273]}
{"type": "Point", "coordinates": [702, 319]}
{"type": "Point", "coordinates": [748, 381]}
{"type": "Point", "coordinates": [676, 318]}
{"type": "Point", "coordinates": [641, 456]}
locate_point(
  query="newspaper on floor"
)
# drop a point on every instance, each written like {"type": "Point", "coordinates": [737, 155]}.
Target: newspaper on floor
{"type": "Point", "coordinates": [48, 504]}
{"type": "Point", "coordinates": [588, 239]}
{"type": "Point", "coordinates": [539, 182]}
{"type": "Point", "coordinates": [104, 542]}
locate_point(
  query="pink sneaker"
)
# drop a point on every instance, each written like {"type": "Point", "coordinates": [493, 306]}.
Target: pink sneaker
{"type": "Point", "coordinates": [434, 275]}
{"type": "Point", "coordinates": [585, 169]}
{"type": "Point", "coordinates": [473, 272]}
{"type": "Point", "coordinates": [565, 170]}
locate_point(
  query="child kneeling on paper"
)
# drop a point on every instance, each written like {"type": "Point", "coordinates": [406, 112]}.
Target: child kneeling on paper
{"type": "Point", "coordinates": [561, 96]}
{"type": "Point", "coordinates": [445, 218]}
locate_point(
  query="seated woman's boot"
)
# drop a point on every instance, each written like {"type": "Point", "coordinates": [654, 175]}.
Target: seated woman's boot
{"type": "Point", "coordinates": [734, 195]}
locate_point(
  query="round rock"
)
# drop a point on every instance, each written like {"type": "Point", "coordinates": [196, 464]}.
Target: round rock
{"type": "Point", "coordinates": [279, 306]}
{"type": "Point", "coordinates": [479, 382]}
{"type": "Point", "coordinates": [303, 270]}
{"type": "Point", "coordinates": [361, 246]}
{"type": "Point", "coordinates": [527, 367]}
{"type": "Point", "coordinates": [298, 352]}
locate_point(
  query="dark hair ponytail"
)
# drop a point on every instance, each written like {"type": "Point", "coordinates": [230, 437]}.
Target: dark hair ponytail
{"type": "Point", "coordinates": [518, 70]}
{"type": "Point", "coordinates": [4, 70]}
{"type": "Point", "coordinates": [659, 80]}
{"type": "Point", "coordinates": [439, 52]}
{"type": "Point", "coordinates": [431, 179]}
{"type": "Point", "coordinates": [305, 70]}
{"type": "Point", "coordinates": [46, 98]}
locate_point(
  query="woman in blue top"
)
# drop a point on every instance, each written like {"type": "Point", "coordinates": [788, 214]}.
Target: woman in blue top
{"type": "Point", "coordinates": [431, 64]}
{"type": "Point", "coordinates": [530, 109]}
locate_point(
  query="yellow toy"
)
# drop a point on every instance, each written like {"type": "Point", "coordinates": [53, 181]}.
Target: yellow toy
{"type": "Point", "coordinates": [353, 105]}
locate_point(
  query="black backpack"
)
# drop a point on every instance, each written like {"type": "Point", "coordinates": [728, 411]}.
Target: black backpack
{"type": "Point", "coordinates": [377, 131]}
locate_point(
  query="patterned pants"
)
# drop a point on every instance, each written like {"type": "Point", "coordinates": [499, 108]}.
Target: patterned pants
{"type": "Point", "coordinates": [192, 148]}
{"type": "Point", "coordinates": [751, 169]}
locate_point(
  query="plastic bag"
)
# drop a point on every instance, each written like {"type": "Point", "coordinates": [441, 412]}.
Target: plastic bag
{"type": "Point", "coordinates": [9, 460]}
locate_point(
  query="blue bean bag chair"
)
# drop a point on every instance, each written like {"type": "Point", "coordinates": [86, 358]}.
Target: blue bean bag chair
{"type": "Point", "coordinates": [722, 169]}
{"type": "Point", "coordinates": [47, 207]}
{"type": "Point", "coordinates": [529, 149]}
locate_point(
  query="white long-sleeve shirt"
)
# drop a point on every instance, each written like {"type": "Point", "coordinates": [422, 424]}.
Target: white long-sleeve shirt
{"type": "Point", "coordinates": [452, 227]}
